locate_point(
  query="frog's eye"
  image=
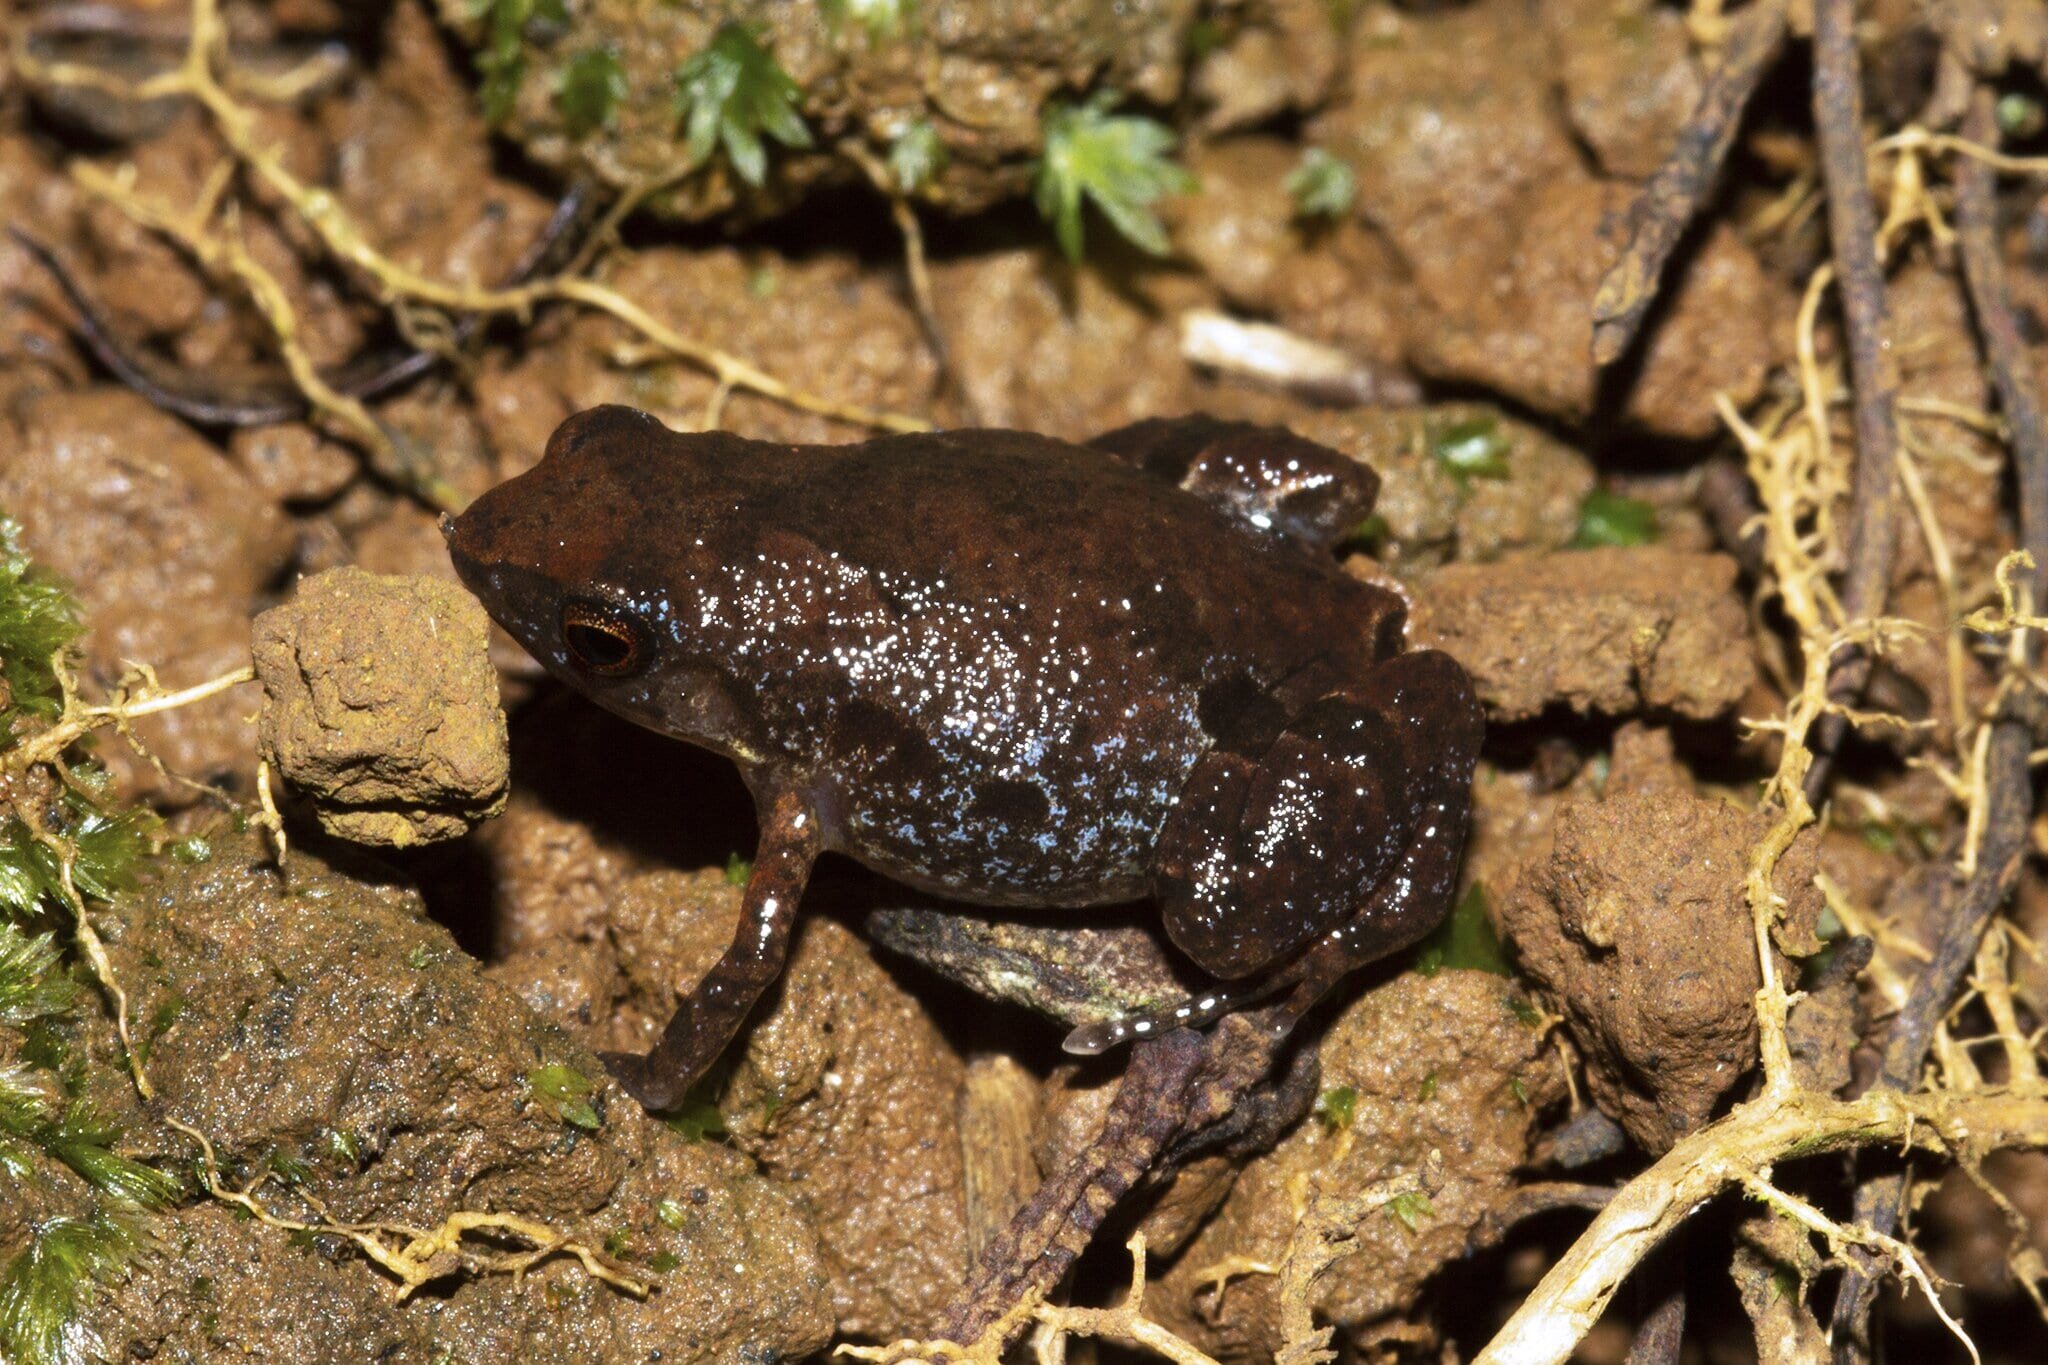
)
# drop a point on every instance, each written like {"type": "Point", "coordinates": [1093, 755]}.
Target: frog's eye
{"type": "Point", "coordinates": [603, 638]}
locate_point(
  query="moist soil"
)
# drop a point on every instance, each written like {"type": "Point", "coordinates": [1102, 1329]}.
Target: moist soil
{"type": "Point", "coordinates": [403, 1021]}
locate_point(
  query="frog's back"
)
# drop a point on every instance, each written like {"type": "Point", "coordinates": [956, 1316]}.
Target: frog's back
{"type": "Point", "coordinates": [1023, 647]}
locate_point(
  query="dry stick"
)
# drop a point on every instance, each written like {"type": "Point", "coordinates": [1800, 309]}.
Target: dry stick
{"type": "Point", "coordinates": [1576, 1290]}
{"type": "Point", "coordinates": [1968, 906]}
{"type": "Point", "coordinates": [1873, 377]}
{"type": "Point", "coordinates": [1667, 205]}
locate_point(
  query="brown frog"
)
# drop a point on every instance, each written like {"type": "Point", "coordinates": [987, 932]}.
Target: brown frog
{"type": "Point", "coordinates": [1011, 671]}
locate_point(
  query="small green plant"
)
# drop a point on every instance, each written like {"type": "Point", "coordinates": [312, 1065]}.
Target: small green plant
{"type": "Point", "coordinates": [737, 870]}
{"type": "Point", "coordinates": [38, 623]}
{"type": "Point", "coordinates": [1609, 519]}
{"type": "Point", "coordinates": [1465, 939]}
{"type": "Point", "coordinates": [563, 1093]}
{"type": "Point", "coordinates": [1337, 1107]}
{"type": "Point", "coordinates": [1121, 163]}
{"type": "Point", "coordinates": [588, 92]}
{"type": "Point", "coordinates": [1410, 1209]}
{"type": "Point", "coordinates": [49, 1282]}
{"type": "Point", "coordinates": [501, 56]}
{"type": "Point", "coordinates": [916, 157]}
{"type": "Point", "coordinates": [1322, 186]}
{"type": "Point", "coordinates": [730, 94]}
{"type": "Point", "coordinates": [1471, 449]}
{"type": "Point", "coordinates": [884, 20]}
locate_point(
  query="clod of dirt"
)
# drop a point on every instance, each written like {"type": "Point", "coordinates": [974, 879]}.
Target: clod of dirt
{"type": "Point", "coordinates": [1628, 78]}
{"type": "Point", "coordinates": [381, 706]}
{"type": "Point", "coordinates": [1468, 171]}
{"type": "Point", "coordinates": [980, 75]}
{"type": "Point", "coordinates": [1635, 928]}
{"type": "Point", "coordinates": [331, 1034]}
{"type": "Point", "coordinates": [1612, 631]}
{"type": "Point", "coordinates": [1432, 513]}
{"type": "Point", "coordinates": [1072, 351]}
{"type": "Point", "coordinates": [830, 326]}
{"type": "Point", "coordinates": [168, 547]}
{"type": "Point", "coordinates": [1437, 1063]}
{"type": "Point", "coordinates": [843, 1090]}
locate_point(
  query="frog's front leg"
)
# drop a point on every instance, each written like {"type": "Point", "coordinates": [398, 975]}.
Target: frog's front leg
{"type": "Point", "coordinates": [707, 1018]}
{"type": "Point", "coordinates": [1338, 845]}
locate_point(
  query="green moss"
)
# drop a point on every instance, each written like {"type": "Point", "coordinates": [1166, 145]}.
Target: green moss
{"type": "Point", "coordinates": [588, 91]}
{"type": "Point", "coordinates": [501, 55]}
{"type": "Point", "coordinates": [563, 1093]}
{"type": "Point", "coordinates": [66, 1261]}
{"type": "Point", "coordinates": [31, 987]}
{"type": "Point", "coordinates": [1321, 186]}
{"type": "Point", "coordinates": [1427, 1092]}
{"type": "Point", "coordinates": [1410, 1209]}
{"type": "Point", "coordinates": [1471, 449]}
{"type": "Point", "coordinates": [883, 20]}
{"type": "Point", "coordinates": [1610, 519]}
{"type": "Point", "coordinates": [1120, 163]}
{"type": "Point", "coordinates": [1337, 1107]}
{"type": "Point", "coordinates": [916, 157]}
{"type": "Point", "coordinates": [1465, 939]}
{"type": "Point", "coordinates": [38, 622]}
{"type": "Point", "coordinates": [737, 870]}
{"type": "Point", "coordinates": [730, 95]}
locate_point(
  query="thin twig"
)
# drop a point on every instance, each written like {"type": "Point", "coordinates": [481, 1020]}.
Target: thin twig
{"type": "Point", "coordinates": [2006, 807]}
{"type": "Point", "coordinates": [1658, 218]}
{"type": "Point", "coordinates": [1873, 378]}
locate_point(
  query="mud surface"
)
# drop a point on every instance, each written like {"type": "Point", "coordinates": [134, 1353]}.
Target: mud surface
{"type": "Point", "coordinates": [490, 881]}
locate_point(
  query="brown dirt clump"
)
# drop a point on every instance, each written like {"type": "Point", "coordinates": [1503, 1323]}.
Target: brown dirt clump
{"type": "Point", "coordinates": [843, 1090]}
{"type": "Point", "coordinates": [169, 549]}
{"type": "Point", "coordinates": [1610, 631]}
{"type": "Point", "coordinates": [381, 706]}
{"type": "Point", "coordinates": [330, 1032]}
{"type": "Point", "coordinates": [1634, 927]}
{"type": "Point", "coordinates": [980, 74]}
{"type": "Point", "coordinates": [1432, 1063]}
{"type": "Point", "coordinates": [835, 329]}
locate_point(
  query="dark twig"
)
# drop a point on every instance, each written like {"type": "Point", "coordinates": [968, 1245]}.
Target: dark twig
{"type": "Point", "coordinates": [1661, 213]}
{"type": "Point", "coordinates": [1966, 907]}
{"type": "Point", "coordinates": [216, 400]}
{"type": "Point", "coordinates": [1873, 377]}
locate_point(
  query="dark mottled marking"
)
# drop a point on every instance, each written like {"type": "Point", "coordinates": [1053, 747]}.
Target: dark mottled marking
{"type": "Point", "coordinates": [1021, 805]}
{"type": "Point", "coordinates": [1239, 714]}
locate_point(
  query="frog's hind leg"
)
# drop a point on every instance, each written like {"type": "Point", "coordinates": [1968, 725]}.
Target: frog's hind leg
{"type": "Point", "coordinates": [1361, 802]}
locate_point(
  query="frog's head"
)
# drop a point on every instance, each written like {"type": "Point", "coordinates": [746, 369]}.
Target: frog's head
{"type": "Point", "coordinates": [548, 553]}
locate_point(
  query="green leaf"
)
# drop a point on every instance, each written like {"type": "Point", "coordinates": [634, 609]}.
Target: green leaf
{"type": "Point", "coordinates": [1118, 162]}
{"type": "Point", "coordinates": [916, 157]}
{"type": "Point", "coordinates": [562, 1093]}
{"type": "Point", "coordinates": [1427, 1092]}
{"type": "Point", "coordinates": [1471, 449]}
{"type": "Point", "coordinates": [1322, 186]}
{"type": "Point", "coordinates": [1609, 519]}
{"type": "Point", "coordinates": [737, 870]}
{"type": "Point", "coordinates": [731, 93]}
{"type": "Point", "coordinates": [1337, 1107]}
{"type": "Point", "coordinates": [591, 86]}
{"type": "Point", "coordinates": [1464, 940]}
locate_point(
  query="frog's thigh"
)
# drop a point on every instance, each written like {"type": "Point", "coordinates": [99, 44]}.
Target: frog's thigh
{"type": "Point", "coordinates": [1261, 856]}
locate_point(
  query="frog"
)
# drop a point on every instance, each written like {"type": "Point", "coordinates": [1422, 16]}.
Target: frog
{"type": "Point", "coordinates": [1009, 670]}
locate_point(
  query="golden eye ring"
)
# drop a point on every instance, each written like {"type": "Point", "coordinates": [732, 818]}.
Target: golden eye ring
{"type": "Point", "coordinates": [603, 639]}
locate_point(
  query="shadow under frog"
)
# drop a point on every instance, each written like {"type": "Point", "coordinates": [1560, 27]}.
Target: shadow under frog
{"type": "Point", "coordinates": [1009, 670]}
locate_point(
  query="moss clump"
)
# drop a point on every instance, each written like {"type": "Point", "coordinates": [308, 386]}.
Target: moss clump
{"type": "Point", "coordinates": [1120, 163]}
{"type": "Point", "coordinates": [732, 93]}
{"type": "Point", "coordinates": [38, 623]}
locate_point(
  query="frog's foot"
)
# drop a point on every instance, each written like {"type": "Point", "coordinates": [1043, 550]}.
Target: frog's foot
{"type": "Point", "coordinates": [1249, 873]}
{"type": "Point", "coordinates": [1274, 482]}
